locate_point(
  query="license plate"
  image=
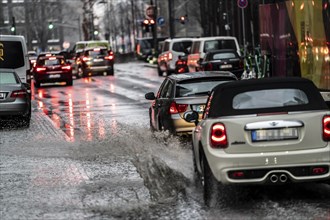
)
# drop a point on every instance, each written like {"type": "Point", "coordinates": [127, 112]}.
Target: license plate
{"type": "Point", "coordinates": [98, 60]}
{"type": "Point", "coordinates": [2, 95]}
{"type": "Point", "coordinates": [274, 134]}
{"type": "Point", "coordinates": [54, 76]}
{"type": "Point", "coordinates": [226, 66]}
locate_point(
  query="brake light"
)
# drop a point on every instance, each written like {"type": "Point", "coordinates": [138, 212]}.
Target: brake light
{"type": "Point", "coordinates": [41, 69]}
{"type": "Point", "coordinates": [218, 136]}
{"type": "Point", "coordinates": [66, 67]}
{"type": "Point", "coordinates": [138, 49]}
{"type": "Point", "coordinates": [18, 94]}
{"type": "Point", "coordinates": [177, 108]}
{"type": "Point", "coordinates": [326, 128]}
{"type": "Point", "coordinates": [110, 57]}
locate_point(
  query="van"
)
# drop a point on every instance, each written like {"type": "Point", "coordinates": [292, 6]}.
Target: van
{"type": "Point", "coordinates": [14, 56]}
{"type": "Point", "coordinates": [171, 50]}
{"type": "Point", "coordinates": [204, 44]}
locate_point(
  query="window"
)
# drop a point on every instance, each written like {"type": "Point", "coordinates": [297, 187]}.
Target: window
{"type": "Point", "coordinates": [219, 44]}
{"type": "Point", "coordinates": [182, 46]}
{"type": "Point", "coordinates": [197, 87]}
{"type": "Point", "coordinates": [8, 78]}
{"type": "Point", "coordinates": [195, 48]}
{"type": "Point", "coordinates": [219, 56]}
{"type": "Point", "coordinates": [270, 98]}
{"type": "Point", "coordinates": [167, 90]}
{"type": "Point", "coordinates": [12, 56]}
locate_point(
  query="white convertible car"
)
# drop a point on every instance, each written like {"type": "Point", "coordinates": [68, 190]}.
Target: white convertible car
{"type": "Point", "coordinates": [261, 131]}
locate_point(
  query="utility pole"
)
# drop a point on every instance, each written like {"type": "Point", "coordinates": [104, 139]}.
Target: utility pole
{"type": "Point", "coordinates": [171, 19]}
{"type": "Point", "coordinates": [154, 27]}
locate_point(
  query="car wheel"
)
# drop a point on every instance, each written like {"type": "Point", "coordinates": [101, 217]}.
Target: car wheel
{"type": "Point", "coordinates": [160, 72]}
{"type": "Point", "coordinates": [111, 72]}
{"type": "Point", "coordinates": [25, 120]}
{"type": "Point", "coordinates": [210, 184]}
{"type": "Point", "coordinates": [69, 83]}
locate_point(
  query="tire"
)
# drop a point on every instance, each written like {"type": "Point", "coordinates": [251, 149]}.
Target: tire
{"type": "Point", "coordinates": [211, 186]}
{"type": "Point", "coordinates": [25, 120]}
{"type": "Point", "coordinates": [160, 73]}
{"type": "Point", "coordinates": [111, 72]}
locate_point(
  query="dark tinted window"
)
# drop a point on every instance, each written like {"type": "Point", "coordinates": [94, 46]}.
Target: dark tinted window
{"type": "Point", "coordinates": [11, 54]}
{"type": "Point", "coordinates": [95, 53]}
{"type": "Point", "coordinates": [51, 62]}
{"type": "Point", "coordinates": [219, 44]}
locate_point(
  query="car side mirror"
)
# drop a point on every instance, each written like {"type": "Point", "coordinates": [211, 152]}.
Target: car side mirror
{"type": "Point", "coordinates": [191, 116]}
{"type": "Point", "coordinates": [150, 96]}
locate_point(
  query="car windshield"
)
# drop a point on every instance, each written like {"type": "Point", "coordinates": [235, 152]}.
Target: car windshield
{"type": "Point", "coordinates": [269, 98]}
{"type": "Point", "coordinates": [196, 88]}
{"type": "Point", "coordinates": [8, 78]}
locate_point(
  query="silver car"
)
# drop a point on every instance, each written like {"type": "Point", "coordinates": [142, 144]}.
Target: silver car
{"type": "Point", "coordinates": [15, 98]}
{"type": "Point", "coordinates": [261, 131]}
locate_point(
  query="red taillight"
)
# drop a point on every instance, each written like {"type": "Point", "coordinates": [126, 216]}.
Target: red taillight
{"type": "Point", "coordinates": [18, 94]}
{"type": "Point", "coordinates": [218, 136]}
{"type": "Point", "coordinates": [66, 67]}
{"type": "Point", "coordinates": [177, 108]}
{"type": "Point", "coordinates": [326, 128]}
{"type": "Point", "coordinates": [40, 69]}
{"type": "Point", "coordinates": [319, 170]}
{"type": "Point", "coordinates": [110, 57]}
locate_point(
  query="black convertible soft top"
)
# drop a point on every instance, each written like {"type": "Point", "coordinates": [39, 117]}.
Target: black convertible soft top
{"type": "Point", "coordinates": [223, 94]}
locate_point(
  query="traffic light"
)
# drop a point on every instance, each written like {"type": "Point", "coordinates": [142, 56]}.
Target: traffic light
{"type": "Point", "coordinates": [183, 19]}
{"type": "Point", "coordinates": [147, 23]}
{"type": "Point", "coordinates": [50, 25]}
{"type": "Point", "coordinates": [13, 26]}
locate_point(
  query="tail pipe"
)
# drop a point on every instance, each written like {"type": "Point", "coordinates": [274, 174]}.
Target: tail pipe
{"type": "Point", "coordinates": [274, 178]}
{"type": "Point", "coordinates": [283, 178]}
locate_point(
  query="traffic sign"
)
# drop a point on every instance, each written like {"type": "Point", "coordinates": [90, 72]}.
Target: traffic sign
{"type": "Point", "coordinates": [242, 3]}
{"type": "Point", "coordinates": [160, 21]}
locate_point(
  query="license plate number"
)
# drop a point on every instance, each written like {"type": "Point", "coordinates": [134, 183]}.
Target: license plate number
{"type": "Point", "coordinates": [226, 66]}
{"type": "Point", "coordinates": [274, 134]}
{"type": "Point", "coordinates": [2, 95]}
{"type": "Point", "coordinates": [54, 76]}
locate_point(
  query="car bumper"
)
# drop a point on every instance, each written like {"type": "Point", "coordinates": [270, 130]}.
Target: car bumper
{"type": "Point", "coordinates": [259, 167]}
{"type": "Point", "coordinates": [42, 78]}
{"type": "Point", "coordinates": [16, 108]}
{"type": "Point", "coordinates": [181, 126]}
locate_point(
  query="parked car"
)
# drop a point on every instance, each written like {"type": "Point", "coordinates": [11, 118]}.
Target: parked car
{"type": "Point", "coordinates": [226, 59]}
{"type": "Point", "coordinates": [15, 98]}
{"type": "Point", "coordinates": [14, 55]}
{"type": "Point", "coordinates": [95, 61]}
{"type": "Point", "coordinates": [180, 93]}
{"type": "Point", "coordinates": [261, 131]}
{"type": "Point", "coordinates": [51, 68]}
{"type": "Point", "coordinates": [171, 50]}
{"type": "Point", "coordinates": [203, 45]}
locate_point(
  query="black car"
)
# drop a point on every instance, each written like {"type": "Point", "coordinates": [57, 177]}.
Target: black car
{"type": "Point", "coordinates": [180, 93]}
{"type": "Point", "coordinates": [92, 61]}
{"type": "Point", "coordinates": [223, 60]}
{"type": "Point", "coordinates": [51, 68]}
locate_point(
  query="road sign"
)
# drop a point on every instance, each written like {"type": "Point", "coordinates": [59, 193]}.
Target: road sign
{"type": "Point", "coordinates": [242, 3]}
{"type": "Point", "coordinates": [160, 21]}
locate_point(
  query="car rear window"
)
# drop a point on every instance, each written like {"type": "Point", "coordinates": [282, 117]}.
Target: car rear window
{"type": "Point", "coordinates": [182, 46]}
{"type": "Point", "coordinates": [197, 87]}
{"type": "Point", "coordinates": [8, 78]}
{"type": "Point", "coordinates": [95, 53]}
{"type": "Point", "coordinates": [219, 56]}
{"type": "Point", "coordinates": [51, 62]}
{"type": "Point", "coordinates": [8, 50]}
{"type": "Point", "coordinates": [269, 98]}
{"type": "Point", "coordinates": [219, 44]}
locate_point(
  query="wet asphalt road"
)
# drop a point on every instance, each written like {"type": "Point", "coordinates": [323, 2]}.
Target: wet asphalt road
{"type": "Point", "coordinates": [89, 154]}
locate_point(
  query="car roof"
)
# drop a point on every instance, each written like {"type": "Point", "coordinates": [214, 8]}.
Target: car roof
{"type": "Point", "coordinates": [196, 75]}
{"type": "Point", "coordinates": [223, 95]}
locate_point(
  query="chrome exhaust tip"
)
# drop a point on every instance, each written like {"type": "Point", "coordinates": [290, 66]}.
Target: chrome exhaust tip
{"type": "Point", "coordinates": [283, 178]}
{"type": "Point", "coordinates": [273, 178]}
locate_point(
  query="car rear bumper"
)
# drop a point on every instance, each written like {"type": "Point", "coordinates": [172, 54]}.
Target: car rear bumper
{"type": "Point", "coordinates": [258, 168]}
{"type": "Point", "coordinates": [13, 108]}
{"type": "Point", "coordinates": [181, 126]}
{"type": "Point", "coordinates": [61, 77]}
